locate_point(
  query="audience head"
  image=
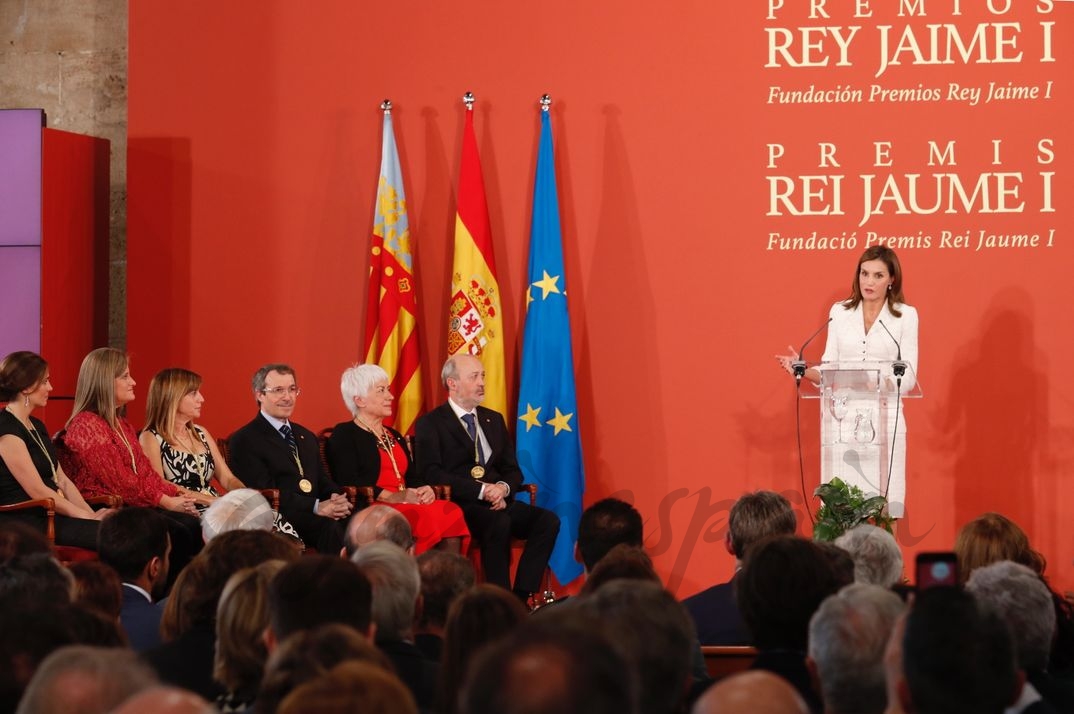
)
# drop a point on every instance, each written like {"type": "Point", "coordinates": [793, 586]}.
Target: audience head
{"type": "Point", "coordinates": [136, 544]}
{"type": "Point", "coordinates": [847, 639]}
{"type": "Point", "coordinates": [604, 525]}
{"type": "Point", "coordinates": [166, 700]}
{"type": "Point", "coordinates": [337, 692]}
{"type": "Point", "coordinates": [357, 381]}
{"type": "Point", "coordinates": [562, 663]}
{"type": "Point", "coordinates": [308, 654]}
{"type": "Point", "coordinates": [98, 586]}
{"type": "Point", "coordinates": [444, 577]}
{"type": "Point", "coordinates": [396, 583]}
{"type": "Point", "coordinates": [623, 562]}
{"type": "Point", "coordinates": [241, 617]}
{"type": "Point", "coordinates": [240, 509]}
{"type": "Point", "coordinates": [318, 590]}
{"type": "Point", "coordinates": [33, 580]}
{"type": "Point", "coordinates": [478, 617]}
{"type": "Point", "coordinates": [755, 516]}
{"type": "Point", "coordinates": [194, 597]}
{"type": "Point", "coordinates": [1018, 596]}
{"type": "Point", "coordinates": [991, 538]}
{"type": "Point", "coordinates": [957, 656]}
{"type": "Point", "coordinates": [21, 372]}
{"type": "Point", "coordinates": [654, 633]}
{"type": "Point", "coordinates": [166, 390]}
{"type": "Point", "coordinates": [839, 560]}
{"type": "Point", "coordinates": [757, 692]}
{"type": "Point", "coordinates": [782, 583]}
{"type": "Point", "coordinates": [877, 558]}
{"type": "Point", "coordinates": [377, 522]}
{"type": "Point", "coordinates": [87, 680]}
{"type": "Point", "coordinates": [96, 389]}
{"type": "Point", "coordinates": [20, 539]}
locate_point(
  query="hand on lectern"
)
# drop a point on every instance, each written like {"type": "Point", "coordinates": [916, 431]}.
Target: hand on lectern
{"type": "Point", "coordinates": [787, 361]}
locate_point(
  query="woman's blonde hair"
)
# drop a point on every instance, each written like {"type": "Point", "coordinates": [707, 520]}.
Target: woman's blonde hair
{"type": "Point", "coordinates": [165, 390]}
{"type": "Point", "coordinates": [95, 391]}
{"type": "Point", "coordinates": [241, 617]}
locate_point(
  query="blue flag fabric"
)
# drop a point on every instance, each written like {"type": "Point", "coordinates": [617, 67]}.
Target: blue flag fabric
{"type": "Point", "coordinates": [549, 444]}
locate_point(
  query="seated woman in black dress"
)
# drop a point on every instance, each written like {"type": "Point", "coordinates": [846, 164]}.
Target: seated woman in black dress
{"type": "Point", "coordinates": [29, 468]}
{"type": "Point", "coordinates": [181, 451]}
{"type": "Point", "coordinates": [366, 452]}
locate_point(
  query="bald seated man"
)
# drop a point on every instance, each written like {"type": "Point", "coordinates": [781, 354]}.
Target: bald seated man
{"type": "Point", "coordinates": [756, 692]}
{"type": "Point", "coordinates": [165, 700]}
{"type": "Point", "coordinates": [378, 522]}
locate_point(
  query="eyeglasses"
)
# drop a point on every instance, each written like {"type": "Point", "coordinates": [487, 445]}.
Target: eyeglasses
{"type": "Point", "coordinates": [277, 392]}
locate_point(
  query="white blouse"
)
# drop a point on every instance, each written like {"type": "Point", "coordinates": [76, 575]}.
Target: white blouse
{"type": "Point", "coordinates": [848, 341]}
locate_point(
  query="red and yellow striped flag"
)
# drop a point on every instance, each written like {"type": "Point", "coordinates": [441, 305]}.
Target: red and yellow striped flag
{"type": "Point", "coordinates": [475, 323]}
{"type": "Point", "coordinates": [391, 325]}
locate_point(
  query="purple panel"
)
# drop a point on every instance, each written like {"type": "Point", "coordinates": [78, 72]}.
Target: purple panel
{"type": "Point", "coordinates": [20, 177]}
{"type": "Point", "coordinates": [20, 295]}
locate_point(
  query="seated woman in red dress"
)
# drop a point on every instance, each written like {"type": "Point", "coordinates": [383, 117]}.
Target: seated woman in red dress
{"type": "Point", "coordinates": [366, 452]}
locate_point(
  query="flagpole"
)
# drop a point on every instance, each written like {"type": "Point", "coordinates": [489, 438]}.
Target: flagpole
{"type": "Point", "coordinates": [545, 102]}
{"type": "Point", "coordinates": [386, 105]}
{"type": "Point", "coordinates": [468, 100]}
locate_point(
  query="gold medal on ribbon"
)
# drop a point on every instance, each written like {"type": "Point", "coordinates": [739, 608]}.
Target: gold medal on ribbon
{"type": "Point", "coordinates": [478, 471]}
{"type": "Point", "coordinates": [305, 486]}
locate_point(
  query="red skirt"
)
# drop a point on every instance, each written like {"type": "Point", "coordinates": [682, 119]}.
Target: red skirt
{"type": "Point", "coordinates": [434, 522]}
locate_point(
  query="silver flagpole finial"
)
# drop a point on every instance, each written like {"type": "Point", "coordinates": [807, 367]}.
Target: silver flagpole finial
{"type": "Point", "coordinates": [468, 100]}
{"type": "Point", "coordinates": [546, 102]}
{"type": "Point", "coordinates": [386, 105]}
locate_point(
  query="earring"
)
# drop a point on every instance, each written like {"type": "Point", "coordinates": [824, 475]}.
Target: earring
{"type": "Point", "coordinates": [26, 400]}
{"type": "Point", "coordinates": [889, 287]}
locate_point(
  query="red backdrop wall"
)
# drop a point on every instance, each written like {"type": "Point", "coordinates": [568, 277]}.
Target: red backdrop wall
{"type": "Point", "coordinates": [253, 156]}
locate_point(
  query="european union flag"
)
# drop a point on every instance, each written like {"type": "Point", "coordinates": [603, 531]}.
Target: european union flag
{"type": "Point", "coordinates": [549, 446]}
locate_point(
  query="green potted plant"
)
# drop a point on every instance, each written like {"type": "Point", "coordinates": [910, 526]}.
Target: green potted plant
{"type": "Point", "coordinates": [843, 507]}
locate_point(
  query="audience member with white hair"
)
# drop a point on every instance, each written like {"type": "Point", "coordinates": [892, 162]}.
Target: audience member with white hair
{"type": "Point", "coordinates": [88, 680]}
{"type": "Point", "coordinates": [241, 509]}
{"type": "Point", "coordinates": [1019, 596]}
{"type": "Point", "coordinates": [847, 638]}
{"type": "Point", "coordinates": [396, 583]}
{"type": "Point", "coordinates": [877, 558]}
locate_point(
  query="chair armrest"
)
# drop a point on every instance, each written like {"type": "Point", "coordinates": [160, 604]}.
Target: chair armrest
{"type": "Point", "coordinates": [531, 489]}
{"type": "Point", "coordinates": [47, 504]}
{"type": "Point", "coordinates": [272, 495]}
{"type": "Point", "coordinates": [109, 501]}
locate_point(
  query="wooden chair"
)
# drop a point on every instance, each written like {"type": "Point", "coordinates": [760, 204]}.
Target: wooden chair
{"type": "Point", "coordinates": [723, 661]}
{"type": "Point", "coordinates": [64, 553]}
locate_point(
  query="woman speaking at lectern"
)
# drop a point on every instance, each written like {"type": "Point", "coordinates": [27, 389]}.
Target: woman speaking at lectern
{"type": "Point", "coordinates": [874, 324]}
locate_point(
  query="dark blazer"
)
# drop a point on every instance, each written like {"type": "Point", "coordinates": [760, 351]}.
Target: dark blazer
{"type": "Point", "coordinates": [716, 616]}
{"type": "Point", "coordinates": [445, 452]}
{"type": "Point", "coordinates": [354, 459]}
{"type": "Point", "coordinates": [261, 458]}
{"type": "Point", "coordinates": [187, 661]}
{"type": "Point", "coordinates": [140, 619]}
{"type": "Point", "coordinates": [416, 672]}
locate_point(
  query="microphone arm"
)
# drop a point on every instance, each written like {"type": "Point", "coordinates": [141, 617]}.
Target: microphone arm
{"type": "Point", "coordinates": [898, 367]}
{"type": "Point", "coordinates": [798, 366]}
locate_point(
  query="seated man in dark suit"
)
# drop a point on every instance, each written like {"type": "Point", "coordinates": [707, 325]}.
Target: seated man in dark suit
{"type": "Point", "coordinates": [135, 543]}
{"type": "Point", "coordinates": [753, 517]}
{"type": "Point", "coordinates": [273, 452]}
{"type": "Point", "coordinates": [467, 447]}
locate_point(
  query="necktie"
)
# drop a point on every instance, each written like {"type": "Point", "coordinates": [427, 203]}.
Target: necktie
{"type": "Point", "coordinates": [290, 438]}
{"type": "Point", "coordinates": [471, 426]}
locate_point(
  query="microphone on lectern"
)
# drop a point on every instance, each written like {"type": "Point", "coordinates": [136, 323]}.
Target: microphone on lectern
{"type": "Point", "coordinates": [798, 366]}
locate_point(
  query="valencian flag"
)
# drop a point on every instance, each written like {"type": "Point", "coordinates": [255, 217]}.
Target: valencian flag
{"type": "Point", "coordinates": [391, 330]}
{"type": "Point", "coordinates": [548, 442]}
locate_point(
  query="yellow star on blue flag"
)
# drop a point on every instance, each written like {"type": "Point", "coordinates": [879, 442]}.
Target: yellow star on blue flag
{"type": "Point", "coordinates": [550, 457]}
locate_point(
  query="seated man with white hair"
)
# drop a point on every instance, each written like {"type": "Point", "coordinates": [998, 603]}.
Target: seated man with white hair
{"type": "Point", "coordinates": [848, 635]}
{"type": "Point", "coordinates": [1021, 598]}
{"type": "Point", "coordinates": [877, 558]}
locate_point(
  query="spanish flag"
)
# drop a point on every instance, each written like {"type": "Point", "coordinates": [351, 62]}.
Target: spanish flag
{"type": "Point", "coordinates": [391, 326]}
{"type": "Point", "coordinates": [475, 322]}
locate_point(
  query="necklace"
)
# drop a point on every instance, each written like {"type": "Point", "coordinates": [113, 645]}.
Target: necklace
{"type": "Point", "coordinates": [37, 438]}
{"type": "Point", "coordinates": [123, 437]}
{"type": "Point", "coordinates": [386, 442]}
{"type": "Point", "coordinates": [199, 460]}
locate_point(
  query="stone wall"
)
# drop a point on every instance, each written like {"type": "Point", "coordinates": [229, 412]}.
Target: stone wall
{"type": "Point", "coordinates": [69, 57]}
